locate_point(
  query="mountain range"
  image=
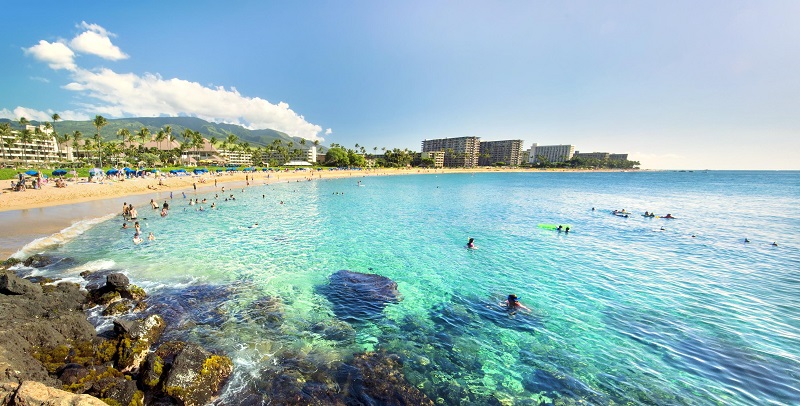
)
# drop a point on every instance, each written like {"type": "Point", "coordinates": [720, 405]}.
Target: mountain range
{"type": "Point", "coordinates": [154, 124]}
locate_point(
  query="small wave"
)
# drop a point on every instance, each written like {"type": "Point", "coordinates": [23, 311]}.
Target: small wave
{"type": "Point", "coordinates": [60, 238]}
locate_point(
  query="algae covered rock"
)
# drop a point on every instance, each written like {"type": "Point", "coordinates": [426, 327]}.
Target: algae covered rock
{"type": "Point", "coordinates": [196, 375]}
{"type": "Point", "coordinates": [377, 378]}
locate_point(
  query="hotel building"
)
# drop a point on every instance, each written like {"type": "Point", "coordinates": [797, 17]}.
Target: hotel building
{"type": "Point", "coordinates": [459, 152]}
{"type": "Point", "coordinates": [508, 151]}
{"type": "Point", "coordinates": [550, 153]}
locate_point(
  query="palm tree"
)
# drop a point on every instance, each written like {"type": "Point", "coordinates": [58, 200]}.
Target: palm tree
{"type": "Point", "coordinates": [25, 137]}
{"type": "Point", "coordinates": [161, 135]}
{"type": "Point", "coordinates": [63, 139]}
{"type": "Point", "coordinates": [125, 134]}
{"type": "Point", "coordinates": [99, 122]}
{"type": "Point", "coordinates": [55, 118]}
{"type": "Point", "coordinates": [76, 138]}
{"type": "Point", "coordinates": [5, 132]}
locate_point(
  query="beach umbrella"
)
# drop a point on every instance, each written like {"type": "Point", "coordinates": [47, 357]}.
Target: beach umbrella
{"type": "Point", "coordinates": [32, 172]}
{"type": "Point", "coordinates": [112, 171]}
{"type": "Point", "coordinates": [59, 172]}
{"type": "Point", "coordinates": [219, 170]}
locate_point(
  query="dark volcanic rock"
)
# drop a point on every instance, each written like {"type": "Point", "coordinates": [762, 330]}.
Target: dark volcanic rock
{"type": "Point", "coordinates": [11, 284]}
{"type": "Point", "coordinates": [39, 261]}
{"type": "Point", "coordinates": [44, 318]}
{"type": "Point", "coordinates": [358, 296]}
{"type": "Point", "coordinates": [335, 330]}
{"type": "Point", "coordinates": [117, 281]}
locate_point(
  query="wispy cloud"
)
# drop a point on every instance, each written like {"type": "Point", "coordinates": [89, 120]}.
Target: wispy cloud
{"type": "Point", "coordinates": [38, 115]}
{"type": "Point", "coordinates": [130, 94]}
{"type": "Point", "coordinates": [39, 79]}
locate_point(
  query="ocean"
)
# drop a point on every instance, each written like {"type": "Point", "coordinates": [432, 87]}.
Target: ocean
{"type": "Point", "coordinates": [623, 310]}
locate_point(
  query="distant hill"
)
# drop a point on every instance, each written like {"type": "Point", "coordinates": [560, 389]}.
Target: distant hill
{"type": "Point", "coordinates": [208, 129]}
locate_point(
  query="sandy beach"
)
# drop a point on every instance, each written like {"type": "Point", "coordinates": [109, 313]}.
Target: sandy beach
{"type": "Point", "coordinates": [33, 214]}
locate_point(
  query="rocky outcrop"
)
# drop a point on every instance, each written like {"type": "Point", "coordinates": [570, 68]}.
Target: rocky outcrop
{"type": "Point", "coordinates": [358, 296]}
{"type": "Point", "coordinates": [377, 378]}
{"type": "Point", "coordinates": [36, 393]}
{"type": "Point", "coordinates": [44, 335]}
{"type": "Point", "coordinates": [38, 317]}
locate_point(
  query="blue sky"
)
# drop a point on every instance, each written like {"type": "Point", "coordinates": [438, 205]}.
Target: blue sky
{"type": "Point", "coordinates": [689, 85]}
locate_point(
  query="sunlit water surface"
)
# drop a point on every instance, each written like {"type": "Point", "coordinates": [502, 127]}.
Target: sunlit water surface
{"type": "Point", "coordinates": [622, 311]}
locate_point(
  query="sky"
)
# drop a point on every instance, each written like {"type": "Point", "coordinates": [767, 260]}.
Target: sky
{"type": "Point", "coordinates": [676, 85]}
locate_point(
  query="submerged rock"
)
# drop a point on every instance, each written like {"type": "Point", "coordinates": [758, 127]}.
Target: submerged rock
{"type": "Point", "coordinates": [358, 296]}
{"type": "Point", "coordinates": [377, 378]}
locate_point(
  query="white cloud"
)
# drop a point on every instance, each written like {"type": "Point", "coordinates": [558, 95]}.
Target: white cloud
{"type": "Point", "coordinates": [39, 79]}
{"type": "Point", "coordinates": [149, 95]}
{"type": "Point", "coordinates": [328, 131]}
{"type": "Point", "coordinates": [56, 54]}
{"type": "Point", "coordinates": [95, 40]}
{"type": "Point", "coordinates": [38, 115]}
{"type": "Point", "coordinates": [128, 94]}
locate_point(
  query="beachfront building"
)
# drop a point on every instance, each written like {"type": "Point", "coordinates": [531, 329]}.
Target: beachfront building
{"type": "Point", "coordinates": [458, 152]}
{"type": "Point", "coordinates": [238, 158]}
{"type": "Point", "coordinates": [311, 154]}
{"type": "Point", "coordinates": [34, 145]}
{"type": "Point", "coordinates": [436, 156]}
{"type": "Point", "coordinates": [550, 153]}
{"type": "Point", "coordinates": [508, 152]}
{"type": "Point", "coordinates": [591, 155]}
{"type": "Point", "coordinates": [603, 156]}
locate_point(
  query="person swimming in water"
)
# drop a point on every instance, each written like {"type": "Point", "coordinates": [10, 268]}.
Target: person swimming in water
{"type": "Point", "coordinates": [512, 303]}
{"type": "Point", "coordinates": [566, 230]}
{"type": "Point", "coordinates": [471, 243]}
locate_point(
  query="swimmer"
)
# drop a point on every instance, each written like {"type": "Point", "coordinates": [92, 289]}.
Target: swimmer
{"type": "Point", "coordinates": [254, 225]}
{"type": "Point", "coordinates": [668, 216]}
{"type": "Point", "coordinates": [151, 237]}
{"type": "Point", "coordinates": [774, 244]}
{"type": "Point", "coordinates": [471, 244]}
{"type": "Point", "coordinates": [512, 303]}
{"type": "Point", "coordinates": [124, 225]}
{"type": "Point", "coordinates": [566, 230]}
{"type": "Point", "coordinates": [746, 240]}
{"type": "Point", "coordinates": [137, 239]}
{"type": "Point", "coordinates": [559, 229]}
{"type": "Point", "coordinates": [213, 205]}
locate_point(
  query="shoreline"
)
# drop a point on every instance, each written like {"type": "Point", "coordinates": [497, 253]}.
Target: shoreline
{"type": "Point", "coordinates": [35, 214]}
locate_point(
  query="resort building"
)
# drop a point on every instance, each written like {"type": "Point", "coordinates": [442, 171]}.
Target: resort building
{"type": "Point", "coordinates": [550, 153]}
{"type": "Point", "coordinates": [436, 156]}
{"type": "Point", "coordinates": [38, 146]}
{"type": "Point", "coordinates": [591, 155]}
{"type": "Point", "coordinates": [508, 152]}
{"type": "Point", "coordinates": [603, 156]}
{"type": "Point", "coordinates": [459, 152]}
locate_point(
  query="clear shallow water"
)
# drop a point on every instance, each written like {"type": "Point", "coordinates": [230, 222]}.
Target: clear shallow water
{"type": "Point", "coordinates": [621, 310]}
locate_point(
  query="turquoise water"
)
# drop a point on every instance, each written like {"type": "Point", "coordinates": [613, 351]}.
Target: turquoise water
{"type": "Point", "coordinates": [622, 311]}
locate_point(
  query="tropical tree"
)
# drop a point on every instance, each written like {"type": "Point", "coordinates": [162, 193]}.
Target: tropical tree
{"type": "Point", "coordinates": [76, 138]}
{"type": "Point", "coordinates": [99, 122]}
{"type": "Point", "coordinates": [337, 157]}
{"type": "Point", "coordinates": [55, 118]}
{"type": "Point", "coordinates": [5, 136]}
{"type": "Point", "coordinates": [38, 135]}
{"type": "Point", "coordinates": [25, 137]}
{"type": "Point", "coordinates": [161, 135]}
